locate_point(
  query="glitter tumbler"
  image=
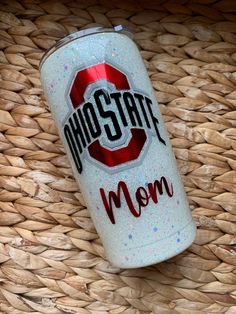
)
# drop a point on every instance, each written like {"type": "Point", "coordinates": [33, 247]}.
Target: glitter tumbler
{"type": "Point", "coordinates": [110, 124]}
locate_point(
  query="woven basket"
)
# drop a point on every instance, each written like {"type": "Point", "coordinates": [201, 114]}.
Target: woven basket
{"type": "Point", "coordinates": [51, 258]}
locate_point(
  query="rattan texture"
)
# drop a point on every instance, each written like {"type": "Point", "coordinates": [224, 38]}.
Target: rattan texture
{"type": "Point", "coordinates": [51, 259]}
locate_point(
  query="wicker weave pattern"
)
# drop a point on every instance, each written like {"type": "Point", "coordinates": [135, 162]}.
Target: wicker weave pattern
{"type": "Point", "coordinates": [51, 259]}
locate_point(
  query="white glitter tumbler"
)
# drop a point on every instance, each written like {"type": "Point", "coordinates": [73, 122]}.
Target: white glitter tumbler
{"type": "Point", "coordinates": [108, 118]}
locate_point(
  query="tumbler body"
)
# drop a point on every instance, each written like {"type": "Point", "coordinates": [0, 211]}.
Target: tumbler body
{"type": "Point", "coordinates": [109, 121]}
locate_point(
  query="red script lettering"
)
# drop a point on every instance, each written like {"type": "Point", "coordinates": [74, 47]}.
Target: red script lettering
{"type": "Point", "coordinates": [142, 197]}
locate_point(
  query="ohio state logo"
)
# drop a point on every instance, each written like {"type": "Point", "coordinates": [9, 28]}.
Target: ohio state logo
{"type": "Point", "coordinates": [111, 124]}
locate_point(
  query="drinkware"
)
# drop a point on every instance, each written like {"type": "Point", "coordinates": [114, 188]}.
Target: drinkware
{"type": "Point", "coordinates": [109, 121]}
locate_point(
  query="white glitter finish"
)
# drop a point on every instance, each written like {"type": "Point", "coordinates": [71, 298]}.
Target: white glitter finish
{"type": "Point", "coordinates": [163, 229]}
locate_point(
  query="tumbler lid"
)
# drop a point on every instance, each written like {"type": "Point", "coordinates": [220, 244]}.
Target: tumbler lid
{"type": "Point", "coordinates": [82, 33]}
